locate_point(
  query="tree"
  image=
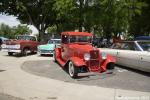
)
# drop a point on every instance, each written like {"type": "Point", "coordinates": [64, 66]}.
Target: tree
{"type": "Point", "coordinates": [36, 12]}
{"type": "Point", "coordinates": [5, 31]}
{"type": "Point", "coordinates": [140, 23]}
{"type": "Point", "coordinates": [21, 30]}
{"type": "Point", "coordinates": [11, 32]}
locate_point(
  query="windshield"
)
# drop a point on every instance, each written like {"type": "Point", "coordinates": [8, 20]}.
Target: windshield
{"type": "Point", "coordinates": [145, 45]}
{"type": "Point", "coordinates": [82, 39]}
{"type": "Point", "coordinates": [54, 41]}
{"type": "Point", "coordinates": [126, 46]}
{"type": "Point", "coordinates": [26, 38]}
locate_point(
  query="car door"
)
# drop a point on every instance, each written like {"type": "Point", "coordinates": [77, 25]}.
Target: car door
{"type": "Point", "coordinates": [127, 56]}
{"type": "Point", "coordinates": [64, 47]}
{"type": "Point", "coordinates": [145, 61]}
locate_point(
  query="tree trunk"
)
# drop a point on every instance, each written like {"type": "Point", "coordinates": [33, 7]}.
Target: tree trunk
{"type": "Point", "coordinates": [81, 15]}
{"type": "Point", "coordinates": [41, 36]}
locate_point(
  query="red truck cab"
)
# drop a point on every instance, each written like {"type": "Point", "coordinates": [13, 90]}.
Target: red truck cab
{"type": "Point", "coordinates": [77, 55]}
{"type": "Point", "coordinates": [23, 44]}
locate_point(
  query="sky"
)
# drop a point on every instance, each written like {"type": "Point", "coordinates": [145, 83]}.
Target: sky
{"type": "Point", "coordinates": [12, 21]}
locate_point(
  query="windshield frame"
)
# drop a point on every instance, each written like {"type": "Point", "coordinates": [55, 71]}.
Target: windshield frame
{"type": "Point", "coordinates": [27, 37]}
{"type": "Point", "coordinates": [146, 43]}
{"type": "Point", "coordinates": [53, 41]}
{"type": "Point", "coordinates": [78, 39]}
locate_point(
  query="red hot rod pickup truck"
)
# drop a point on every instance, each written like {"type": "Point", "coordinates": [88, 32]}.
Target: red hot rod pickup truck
{"type": "Point", "coordinates": [23, 44]}
{"type": "Point", "coordinates": [77, 55]}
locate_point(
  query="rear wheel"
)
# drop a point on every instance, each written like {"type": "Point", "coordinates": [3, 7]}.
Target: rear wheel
{"type": "Point", "coordinates": [110, 66]}
{"type": "Point", "coordinates": [25, 51]}
{"type": "Point", "coordinates": [10, 53]}
{"type": "Point", "coordinates": [72, 70]}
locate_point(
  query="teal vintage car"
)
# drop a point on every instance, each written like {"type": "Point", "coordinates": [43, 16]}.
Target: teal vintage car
{"type": "Point", "coordinates": [48, 49]}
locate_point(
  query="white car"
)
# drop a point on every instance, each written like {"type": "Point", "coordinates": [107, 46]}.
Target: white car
{"type": "Point", "coordinates": [133, 54]}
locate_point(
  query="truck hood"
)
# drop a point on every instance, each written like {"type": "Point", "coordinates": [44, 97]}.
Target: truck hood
{"type": "Point", "coordinates": [13, 42]}
{"type": "Point", "coordinates": [82, 47]}
{"type": "Point", "coordinates": [46, 47]}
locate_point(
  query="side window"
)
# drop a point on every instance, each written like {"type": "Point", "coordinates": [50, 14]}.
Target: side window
{"type": "Point", "coordinates": [65, 39]}
{"type": "Point", "coordinates": [130, 46]}
{"type": "Point", "coordinates": [33, 39]}
{"type": "Point", "coordinates": [116, 46]}
{"type": "Point", "coordinates": [72, 39]}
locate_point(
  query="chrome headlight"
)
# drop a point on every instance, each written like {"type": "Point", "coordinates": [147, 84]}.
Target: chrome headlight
{"type": "Point", "coordinates": [87, 56]}
{"type": "Point", "coordinates": [3, 46]}
{"type": "Point", "coordinates": [104, 55]}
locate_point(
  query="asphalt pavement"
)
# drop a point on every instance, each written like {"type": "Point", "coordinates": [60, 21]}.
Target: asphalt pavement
{"type": "Point", "coordinates": [119, 78]}
{"type": "Point", "coordinates": [38, 78]}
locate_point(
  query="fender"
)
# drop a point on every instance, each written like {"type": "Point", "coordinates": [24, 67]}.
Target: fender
{"type": "Point", "coordinates": [57, 53]}
{"type": "Point", "coordinates": [77, 61]}
{"type": "Point", "coordinates": [109, 59]}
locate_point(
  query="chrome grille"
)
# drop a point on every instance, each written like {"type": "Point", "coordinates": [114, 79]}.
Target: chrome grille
{"type": "Point", "coordinates": [94, 63]}
{"type": "Point", "coordinates": [94, 54]}
{"type": "Point", "coordinates": [46, 51]}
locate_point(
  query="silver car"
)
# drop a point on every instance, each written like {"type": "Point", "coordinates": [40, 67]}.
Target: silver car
{"type": "Point", "coordinates": [133, 54]}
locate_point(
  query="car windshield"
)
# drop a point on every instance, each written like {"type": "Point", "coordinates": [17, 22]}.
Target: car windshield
{"type": "Point", "coordinates": [82, 39]}
{"type": "Point", "coordinates": [126, 46]}
{"type": "Point", "coordinates": [26, 38]}
{"type": "Point", "coordinates": [145, 45]}
{"type": "Point", "coordinates": [54, 41]}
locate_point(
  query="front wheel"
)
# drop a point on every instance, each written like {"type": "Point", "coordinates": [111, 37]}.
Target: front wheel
{"type": "Point", "coordinates": [25, 52]}
{"type": "Point", "coordinates": [110, 66]}
{"type": "Point", "coordinates": [72, 70]}
{"type": "Point", "coordinates": [10, 53]}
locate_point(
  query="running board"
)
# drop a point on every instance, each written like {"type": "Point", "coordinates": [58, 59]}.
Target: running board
{"type": "Point", "coordinates": [94, 73]}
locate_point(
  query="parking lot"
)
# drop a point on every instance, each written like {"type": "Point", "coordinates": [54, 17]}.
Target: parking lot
{"type": "Point", "coordinates": [120, 78]}
{"type": "Point", "coordinates": [45, 67]}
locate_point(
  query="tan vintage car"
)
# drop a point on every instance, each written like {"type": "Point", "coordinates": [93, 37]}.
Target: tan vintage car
{"type": "Point", "coordinates": [133, 54]}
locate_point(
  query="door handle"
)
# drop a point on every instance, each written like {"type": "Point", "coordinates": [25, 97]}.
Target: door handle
{"type": "Point", "coordinates": [117, 53]}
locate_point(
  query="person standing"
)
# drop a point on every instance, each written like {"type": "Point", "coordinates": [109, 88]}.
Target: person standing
{"type": "Point", "coordinates": [1, 42]}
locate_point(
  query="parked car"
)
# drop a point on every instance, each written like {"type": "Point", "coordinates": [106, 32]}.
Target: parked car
{"type": "Point", "coordinates": [2, 40]}
{"type": "Point", "coordinates": [49, 47]}
{"type": "Point", "coordinates": [133, 54]}
{"type": "Point", "coordinates": [77, 55]}
{"type": "Point", "coordinates": [23, 44]}
{"type": "Point", "coordinates": [143, 38]}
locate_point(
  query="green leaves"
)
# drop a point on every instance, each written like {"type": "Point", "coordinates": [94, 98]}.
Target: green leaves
{"type": "Point", "coordinates": [104, 17]}
{"type": "Point", "coordinates": [11, 32]}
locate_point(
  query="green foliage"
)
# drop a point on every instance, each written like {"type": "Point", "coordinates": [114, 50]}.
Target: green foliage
{"type": "Point", "coordinates": [103, 17]}
{"type": "Point", "coordinates": [36, 12]}
{"type": "Point", "coordinates": [11, 32]}
{"type": "Point", "coordinates": [51, 30]}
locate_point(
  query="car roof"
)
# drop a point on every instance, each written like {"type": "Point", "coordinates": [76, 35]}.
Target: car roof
{"type": "Point", "coordinates": [143, 38]}
{"type": "Point", "coordinates": [77, 33]}
{"type": "Point", "coordinates": [27, 35]}
{"type": "Point", "coordinates": [134, 41]}
{"type": "Point", "coordinates": [55, 39]}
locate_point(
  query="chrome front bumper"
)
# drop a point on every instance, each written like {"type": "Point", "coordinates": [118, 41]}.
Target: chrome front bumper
{"type": "Point", "coordinates": [50, 52]}
{"type": "Point", "coordinates": [12, 50]}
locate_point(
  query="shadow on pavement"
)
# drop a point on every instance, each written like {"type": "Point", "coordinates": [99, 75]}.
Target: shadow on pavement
{"type": "Point", "coordinates": [135, 70]}
{"type": "Point", "coordinates": [123, 79]}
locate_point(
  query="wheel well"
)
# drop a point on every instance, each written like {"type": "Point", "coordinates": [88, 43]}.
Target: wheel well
{"type": "Point", "coordinates": [66, 65]}
{"type": "Point", "coordinates": [110, 65]}
{"type": "Point", "coordinates": [26, 48]}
